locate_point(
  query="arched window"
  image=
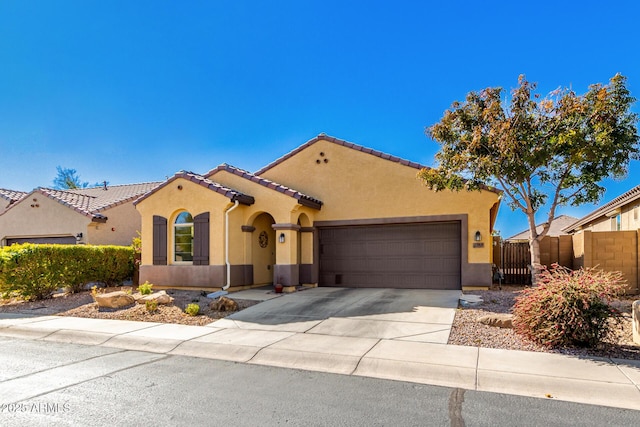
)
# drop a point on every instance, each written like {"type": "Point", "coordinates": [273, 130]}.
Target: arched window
{"type": "Point", "coordinates": [183, 238]}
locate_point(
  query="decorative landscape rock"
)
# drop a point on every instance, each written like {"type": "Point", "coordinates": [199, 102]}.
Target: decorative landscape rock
{"type": "Point", "coordinates": [160, 297]}
{"type": "Point", "coordinates": [223, 304]}
{"type": "Point", "coordinates": [116, 299]}
{"type": "Point", "coordinates": [470, 300]}
{"type": "Point", "coordinates": [500, 320]}
{"type": "Point", "coordinates": [635, 318]}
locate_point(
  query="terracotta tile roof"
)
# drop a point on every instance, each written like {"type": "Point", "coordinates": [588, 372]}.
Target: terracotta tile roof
{"type": "Point", "coordinates": [302, 199]}
{"type": "Point", "coordinates": [233, 195]}
{"type": "Point", "coordinates": [557, 226]}
{"type": "Point", "coordinates": [12, 196]}
{"type": "Point", "coordinates": [623, 199]}
{"type": "Point", "coordinates": [92, 201]}
{"type": "Point", "coordinates": [380, 154]}
{"type": "Point", "coordinates": [324, 137]}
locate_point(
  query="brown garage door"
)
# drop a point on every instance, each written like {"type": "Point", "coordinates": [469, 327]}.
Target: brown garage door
{"type": "Point", "coordinates": [66, 240]}
{"type": "Point", "coordinates": [421, 256]}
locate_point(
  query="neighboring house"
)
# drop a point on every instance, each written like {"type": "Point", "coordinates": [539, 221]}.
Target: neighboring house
{"type": "Point", "coordinates": [9, 197]}
{"type": "Point", "coordinates": [558, 225]}
{"type": "Point", "coordinates": [329, 212]}
{"type": "Point", "coordinates": [101, 215]}
{"type": "Point", "coordinates": [620, 214]}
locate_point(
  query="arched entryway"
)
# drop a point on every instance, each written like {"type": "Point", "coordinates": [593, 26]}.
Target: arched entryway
{"type": "Point", "coordinates": [263, 249]}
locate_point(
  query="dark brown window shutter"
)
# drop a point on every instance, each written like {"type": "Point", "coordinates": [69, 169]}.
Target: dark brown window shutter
{"type": "Point", "coordinates": [201, 239]}
{"type": "Point", "coordinates": [159, 240]}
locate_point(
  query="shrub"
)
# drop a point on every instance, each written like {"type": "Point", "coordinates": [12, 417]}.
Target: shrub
{"type": "Point", "coordinates": [36, 271]}
{"type": "Point", "coordinates": [568, 308]}
{"type": "Point", "coordinates": [192, 309]}
{"type": "Point", "coordinates": [152, 306]}
{"type": "Point", "coordinates": [145, 288]}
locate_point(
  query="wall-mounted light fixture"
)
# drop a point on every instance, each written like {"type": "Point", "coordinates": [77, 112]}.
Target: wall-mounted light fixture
{"type": "Point", "coordinates": [478, 236]}
{"type": "Point", "coordinates": [281, 238]}
{"type": "Point", "coordinates": [78, 237]}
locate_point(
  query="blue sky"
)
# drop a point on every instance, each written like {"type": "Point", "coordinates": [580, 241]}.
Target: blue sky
{"type": "Point", "coordinates": [133, 91]}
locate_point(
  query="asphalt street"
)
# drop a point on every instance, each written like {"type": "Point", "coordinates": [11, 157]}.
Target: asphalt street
{"type": "Point", "coordinates": [51, 384]}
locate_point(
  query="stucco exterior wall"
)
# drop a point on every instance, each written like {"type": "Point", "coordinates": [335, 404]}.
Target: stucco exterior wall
{"type": "Point", "coordinates": [169, 201]}
{"type": "Point", "coordinates": [121, 227]}
{"type": "Point", "coordinates": [629, 219]}
{"type": "Point", "coordinates": [353, 184]}
{"type": "Point", "coordinates": [49, 218]}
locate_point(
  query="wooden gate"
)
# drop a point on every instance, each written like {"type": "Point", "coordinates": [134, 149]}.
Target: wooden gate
{"type": "Point", "coordinates": [515, 263]}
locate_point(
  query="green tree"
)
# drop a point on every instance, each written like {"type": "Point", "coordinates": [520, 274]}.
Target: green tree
{"type": "Point", "coordinates": [68, 179]}
{"type": "Point", "coordinates": [541, 151]}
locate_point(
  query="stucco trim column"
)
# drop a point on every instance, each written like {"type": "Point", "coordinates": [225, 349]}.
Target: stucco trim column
{"type": "Point", "coordinates": [286, 271]}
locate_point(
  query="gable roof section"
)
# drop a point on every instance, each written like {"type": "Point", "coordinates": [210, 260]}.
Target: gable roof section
{"type": "Point", "coordinates": [302, 199]}
{"type": "Point", "coordinates": [376, 153]}
{"type": "Point", "coordinates": [12, 196]}
{"type": "Point", "coordinates": [557, 226]}
{"type": "Point", "coordinates": [233, 195]}
{"type": "Point", "coordinates": [324, 137]}
{"type": "Point", "coordinates": [623, 199]}
{"type": "Point", "coordinates": [91, 201]}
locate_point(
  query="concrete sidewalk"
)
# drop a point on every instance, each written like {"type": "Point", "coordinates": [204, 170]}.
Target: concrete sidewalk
{"type": "Point", "coordinates": [329, 345]}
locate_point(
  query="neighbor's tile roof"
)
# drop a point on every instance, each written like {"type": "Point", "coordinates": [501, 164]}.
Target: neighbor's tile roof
{"type": "Point", "coordinates": [557, 226]}
{"type": "Point", "coordinates": [303, 199]}
{"type": "Point", "coordinates": [624, 199]}
{"type": "Point", "coordinates": [12, 195]}
{"type": "Point", "coordinates": [233, 195]}
{"type": "Point", "coordinates": [92, 201]}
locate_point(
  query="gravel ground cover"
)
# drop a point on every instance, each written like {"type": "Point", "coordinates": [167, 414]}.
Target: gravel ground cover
{"type": "Point", "coordinates": [468, 331]}
{"type": "Point", "coordinates": [82, 305]}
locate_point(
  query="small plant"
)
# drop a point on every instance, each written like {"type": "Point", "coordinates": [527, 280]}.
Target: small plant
{"type": "Point", "coordinates": [192, 309]}
{"type": "Point", "coordinates": [152, 306]}
{"type": "Point", "coordinates": [94, 291]}
{"type": "Point", "coordinates": [146, 288]}
{"type": "Point", "coordinates": [568, 308]}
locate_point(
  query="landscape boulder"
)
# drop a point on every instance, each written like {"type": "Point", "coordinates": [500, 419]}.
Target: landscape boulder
{"type": "Point", "coordinates": [500, 320]}
{"type": "Point", "coordinates": [117, 299]}
{"type": "Point", "coordinates": [223, 304]}
{"type": "Point", "coordinates": [160, 297]}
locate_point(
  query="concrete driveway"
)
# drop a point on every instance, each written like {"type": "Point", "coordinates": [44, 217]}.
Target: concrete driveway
{"type": "Point", "coordinates": [395, 314]}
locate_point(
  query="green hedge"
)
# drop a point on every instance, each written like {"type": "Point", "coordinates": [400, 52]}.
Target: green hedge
{"type": "Point", "coordinates": [36, 271]}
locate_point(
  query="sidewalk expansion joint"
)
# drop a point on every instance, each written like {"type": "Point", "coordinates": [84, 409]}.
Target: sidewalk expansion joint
{"type": "Point", "coordinates": [625, 374]}
{"type": "Point", "coordinates": [363, 356]}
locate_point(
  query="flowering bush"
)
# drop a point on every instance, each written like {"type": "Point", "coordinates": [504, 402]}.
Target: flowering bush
{"type": "Point", "coordinates": [568, 308]}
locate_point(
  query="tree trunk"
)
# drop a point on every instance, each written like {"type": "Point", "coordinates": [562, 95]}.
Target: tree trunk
{"type": "Point", "coordinates": [534, 248]}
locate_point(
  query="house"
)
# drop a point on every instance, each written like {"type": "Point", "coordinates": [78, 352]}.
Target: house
{"type": "Point", "coordinates": [608, 238]}
{"type": "Point", "coordinates": [557, 229]}
{"type": "Point", "coordinates": [9, 197]}
{"type": "Point", "coordinates": [620, 214]}
{"type": "Point", "coordinates": [100, 215]}
{"type": "Point", "coordinates": [329, 212]}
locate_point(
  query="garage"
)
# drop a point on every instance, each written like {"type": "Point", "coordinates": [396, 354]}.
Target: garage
{"type": "Point", "coordinates": [412, 256]}
{"type": "Point", "coordinates": [62, 240]}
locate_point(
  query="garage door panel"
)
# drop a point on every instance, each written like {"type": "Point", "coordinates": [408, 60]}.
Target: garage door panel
{"type": "Point", "coordinates": [400, 255]}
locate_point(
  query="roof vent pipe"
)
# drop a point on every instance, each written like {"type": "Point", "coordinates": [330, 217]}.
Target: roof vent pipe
{"type": "Point", "coordinates": [226, 244]}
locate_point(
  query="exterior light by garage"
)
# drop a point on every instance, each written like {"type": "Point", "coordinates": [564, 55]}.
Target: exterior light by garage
{"type": "Point", "coordinates": [478, 236]}
{"type": "Point", "coordinates": [281, 238]}
{"type": "Point", "coordinates": [78, 237]}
